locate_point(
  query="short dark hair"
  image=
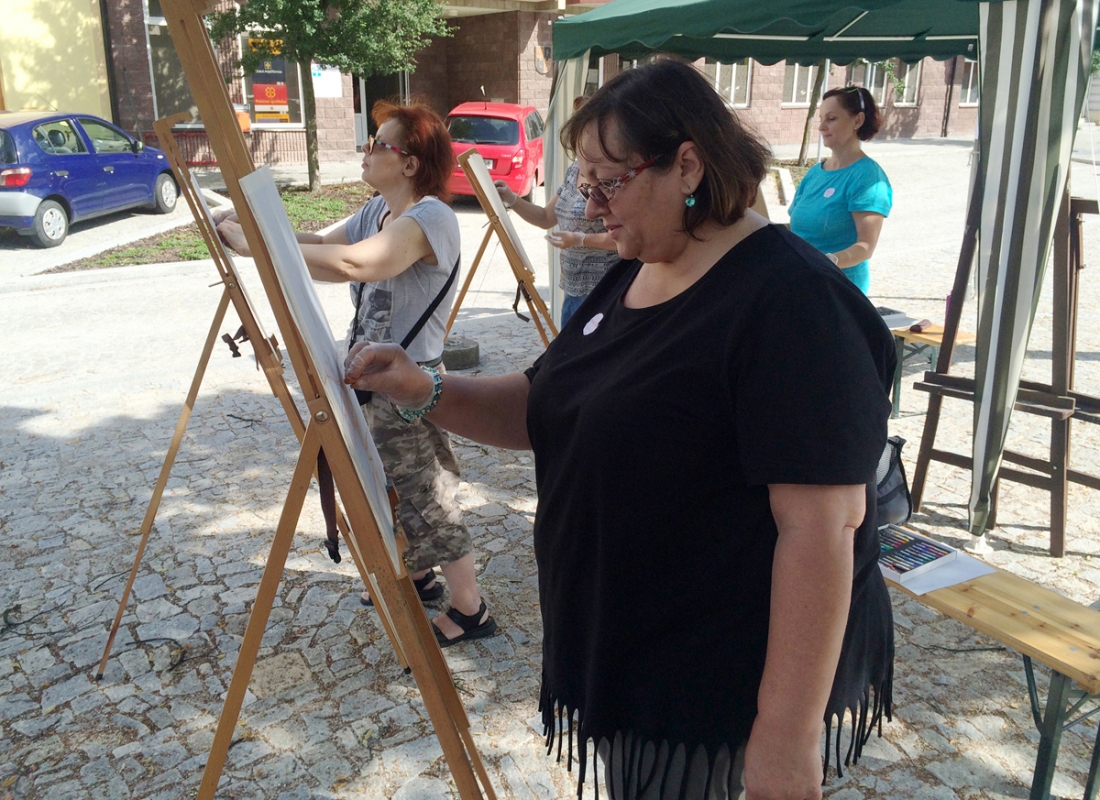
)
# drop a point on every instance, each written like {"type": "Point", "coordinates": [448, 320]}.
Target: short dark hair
{"type": "Point", "coordinates": [656, 108]}
{"type": "Point", "coordinates": [424, 135]}
{"type": "Point", "coordinates": [857, 100]}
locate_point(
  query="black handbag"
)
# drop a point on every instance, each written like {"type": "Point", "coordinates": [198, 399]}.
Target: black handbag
{"type": "Point", "coordinates": [895, 504]}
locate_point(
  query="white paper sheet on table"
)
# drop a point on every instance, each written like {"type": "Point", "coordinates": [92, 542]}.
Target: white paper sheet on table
{"type": "Point", "coordinates": [962, 568]}
{"type": "Point", "coordinates": [897, 322]}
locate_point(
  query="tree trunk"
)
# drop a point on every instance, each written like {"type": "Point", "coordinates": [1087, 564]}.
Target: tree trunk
{"type": "Point", "coordinates": [811, 112]}
{"type": "Point", "coordinates": [309, 113]}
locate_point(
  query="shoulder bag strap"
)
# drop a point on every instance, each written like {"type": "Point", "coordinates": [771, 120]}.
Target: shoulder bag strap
{"type": "Point", "coordinates": [431, 307]}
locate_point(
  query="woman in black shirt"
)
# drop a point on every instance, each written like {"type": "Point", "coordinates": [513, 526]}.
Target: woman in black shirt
{"type": "Point", "coordinates": [706, 431]}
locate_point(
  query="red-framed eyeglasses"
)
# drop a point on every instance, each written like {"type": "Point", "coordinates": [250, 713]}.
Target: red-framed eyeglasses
{"type": "Point", "coordinates": [372, 142]}
{"type": "Point", "coordinates": [603, 190]}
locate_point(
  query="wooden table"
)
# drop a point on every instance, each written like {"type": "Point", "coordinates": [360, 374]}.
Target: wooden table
{"type": "Point", "coordinates": [1042, 625]}
{"type": "Point", "coordinates": [926, 343]}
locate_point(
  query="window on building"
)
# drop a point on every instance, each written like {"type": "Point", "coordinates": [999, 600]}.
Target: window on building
{"type": "Point", "coordinates": [594, 79]}
{"type": "Point", "coordinates": [798, 83]}
{"type": "Point", "coordinates": [731, 81]}
{"type": "Point", "coordinates": [273, 91]}
{"type": "Point", "coordinates": [909, 75]}
{"type": "Point", "coordinates": [171, 94]}
{"type": "Point", "coordinates": [871, 76]}
{"type": "Point", "coordinates": [971, 79]}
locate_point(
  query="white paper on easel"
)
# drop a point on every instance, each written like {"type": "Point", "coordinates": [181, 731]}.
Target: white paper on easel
{"type": "Point", "coordinates": [477, 172]}
{"type": "Point", "coordinates": [305, 309]}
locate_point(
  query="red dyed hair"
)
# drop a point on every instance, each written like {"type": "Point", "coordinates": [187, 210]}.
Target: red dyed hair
{"type": "Point", "coordinates": [423, 135]}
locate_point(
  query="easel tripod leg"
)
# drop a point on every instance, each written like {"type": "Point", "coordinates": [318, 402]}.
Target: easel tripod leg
{"type": "Point", "coordinates": [261, 610]}
{"type": "Point", "coordinates": [466, 283]}
{"type": "Point", "coordinates": [165, 471]}
{"type": "Point", "coordinates": [924, 455]}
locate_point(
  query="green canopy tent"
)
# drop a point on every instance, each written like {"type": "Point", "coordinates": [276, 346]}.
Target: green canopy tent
{"type": "Point", "coordinates": [1034, 60]}
{"type": "Point", "coordinates": [805, 31]}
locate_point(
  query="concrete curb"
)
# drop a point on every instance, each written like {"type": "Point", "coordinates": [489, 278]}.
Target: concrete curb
{"type": "Point", "coordinates": [786, 185]}
{"type": "Point", "coordinates": [112, 275]}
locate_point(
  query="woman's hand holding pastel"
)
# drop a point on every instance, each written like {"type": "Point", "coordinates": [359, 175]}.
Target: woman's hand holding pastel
{"type": "Point", "coordinates": [507, 196]}
{"type": "Point", "coordinates": [388, 370]}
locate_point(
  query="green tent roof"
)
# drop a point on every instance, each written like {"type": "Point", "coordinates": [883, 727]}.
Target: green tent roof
{"type": "Point", "coordinates": [798, 30]}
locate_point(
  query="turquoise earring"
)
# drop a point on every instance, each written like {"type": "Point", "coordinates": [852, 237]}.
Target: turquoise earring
{"type": "Point", "coordinates": [690, 201]}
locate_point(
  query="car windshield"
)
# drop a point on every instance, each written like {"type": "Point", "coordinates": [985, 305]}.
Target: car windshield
{"type": "Point", "coordinates": [7, 149]}
{"type": "Point", "coordinates": [483, 130]}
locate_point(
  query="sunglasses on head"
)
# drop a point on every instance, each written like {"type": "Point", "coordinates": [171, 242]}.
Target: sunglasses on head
{"type": "Point", "coordinates": [602, 191]}
{"type": "Point", "coordinates": [859, 94]}
{"type": "Point", "coordinates": [372, 142]}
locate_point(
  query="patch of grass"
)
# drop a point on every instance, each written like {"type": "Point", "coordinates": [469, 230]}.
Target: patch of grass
{"type": "Point", "coordinates": [307, 212]}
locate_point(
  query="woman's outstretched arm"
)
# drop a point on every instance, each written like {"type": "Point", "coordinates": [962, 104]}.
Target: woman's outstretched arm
{"type": "Point", "coordinates": [490, 411]}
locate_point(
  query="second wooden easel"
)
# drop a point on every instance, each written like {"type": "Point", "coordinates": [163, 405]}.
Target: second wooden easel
{"type": "Point", "coordinates": [1057, 401]}
{"type": "Point", "coordinates": [499, 224]}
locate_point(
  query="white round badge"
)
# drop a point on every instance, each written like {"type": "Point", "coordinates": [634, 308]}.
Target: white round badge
{"type": "Point", "coordinates": [830, 192]}
{"type": "Point", "coordinates": [593, 323]}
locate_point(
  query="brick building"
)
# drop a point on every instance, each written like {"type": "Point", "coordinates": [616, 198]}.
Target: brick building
{"type": "Point", "coordinates": [929, 99]}
{"type": "Point", "coordinates": [501, 45]}
{"type": "Point", "coordinates": [495, 43]}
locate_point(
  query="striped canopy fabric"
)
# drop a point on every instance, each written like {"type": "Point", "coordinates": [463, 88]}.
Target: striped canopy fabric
{"type": "Point", "coordinates": [1035, 60]}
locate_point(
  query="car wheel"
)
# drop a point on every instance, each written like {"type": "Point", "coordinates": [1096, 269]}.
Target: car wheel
{"type": "Point", "coordinates": [51, 224]}
{"type": "Point", "coordinates": [165, 194]}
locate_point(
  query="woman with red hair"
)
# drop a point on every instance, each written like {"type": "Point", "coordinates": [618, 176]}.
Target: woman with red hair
{"type": "Point", "coordinates": [401, 254]}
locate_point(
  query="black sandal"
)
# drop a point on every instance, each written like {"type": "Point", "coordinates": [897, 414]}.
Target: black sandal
{"type": "Point", "coordinates": [424, 590]}
{"type": "Point", "coordinates": [472, 627]}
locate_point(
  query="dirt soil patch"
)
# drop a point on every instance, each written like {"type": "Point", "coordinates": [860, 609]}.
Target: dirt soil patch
{"type": "Point", "coordinates": [307, 212]}
{"type": "Point", "coordinates": [797, 170]}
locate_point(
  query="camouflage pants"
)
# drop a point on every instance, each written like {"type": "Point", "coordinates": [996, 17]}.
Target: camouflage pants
{"type": "Point", "coordinates": [419, 460]}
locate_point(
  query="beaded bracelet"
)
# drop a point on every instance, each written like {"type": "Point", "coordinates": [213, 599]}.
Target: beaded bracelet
{"type": "Point", "coordinates": [410, 414]}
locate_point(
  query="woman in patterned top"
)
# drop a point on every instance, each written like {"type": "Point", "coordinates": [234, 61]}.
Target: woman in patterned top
{"type": "Point", "coordinates": [587, 250]}
{"type": "Point", "coordinates": [399, 253]}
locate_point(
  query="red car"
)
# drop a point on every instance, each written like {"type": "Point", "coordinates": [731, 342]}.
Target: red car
{"type": "Point", "coordinates": [507, 136]}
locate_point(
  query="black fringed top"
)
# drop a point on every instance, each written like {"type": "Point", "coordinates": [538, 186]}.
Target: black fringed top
{"type": "Point", "coordinates": [656, 433]}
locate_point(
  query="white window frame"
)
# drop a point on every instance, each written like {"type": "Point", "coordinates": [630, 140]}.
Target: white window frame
{"type": "Point", "coordinates": [790, 102]}
{"type": "Point", "coordinates": [971, 81]}
{"type": "Point", "coordinates": [911, 72]}
{"type": "Point", "coordinates": [275, 126]}
{"type": "Point", "coordinates": [730, 100]}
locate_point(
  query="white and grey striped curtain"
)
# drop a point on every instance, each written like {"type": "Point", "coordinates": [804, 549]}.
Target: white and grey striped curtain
{"type": "Point", "coordinates": [1035, 58]}
{"type": "Point", "coordinates": [572, 75]}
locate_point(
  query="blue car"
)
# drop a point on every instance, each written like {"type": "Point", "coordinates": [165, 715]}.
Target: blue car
{"type": "Point", "coordinates": [57, 169]}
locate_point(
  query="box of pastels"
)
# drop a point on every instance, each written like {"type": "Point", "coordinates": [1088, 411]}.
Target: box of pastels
{"type": "Point", "coordinates": [904, 554]}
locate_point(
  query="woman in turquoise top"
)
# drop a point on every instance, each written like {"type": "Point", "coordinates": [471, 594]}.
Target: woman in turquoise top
{"type": "Point", "coordinates": [841, 203]}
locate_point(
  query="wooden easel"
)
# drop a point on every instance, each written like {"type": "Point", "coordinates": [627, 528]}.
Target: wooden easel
{"type": "Point", "coordinates": [1056, 401]}
{"type": "Point", "coordinates": [396, 589]}
{"type": "Point", "coordinates": [525, 277]}
{"type": "Point", "coordinates": [267, 354]}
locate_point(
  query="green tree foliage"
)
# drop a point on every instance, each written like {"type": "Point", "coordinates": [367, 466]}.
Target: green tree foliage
{"type": "Point", "coordinates": [364, 37]}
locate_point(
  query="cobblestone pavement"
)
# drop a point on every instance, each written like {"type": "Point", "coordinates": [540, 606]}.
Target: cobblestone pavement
{"type": "Point", "coordinates": [96, 366]}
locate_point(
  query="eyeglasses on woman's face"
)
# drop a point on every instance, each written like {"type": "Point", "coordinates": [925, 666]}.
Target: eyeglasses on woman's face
{"type": "Point", "coordinates": [372, 142]}
{"type": "Point", "coordinates": [603, 190]}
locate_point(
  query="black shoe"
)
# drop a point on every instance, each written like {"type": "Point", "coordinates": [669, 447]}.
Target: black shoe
{"type": "Point", "coordinates": [471, 624]}
{"type": "Point", "coordinates": [425, 590]}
